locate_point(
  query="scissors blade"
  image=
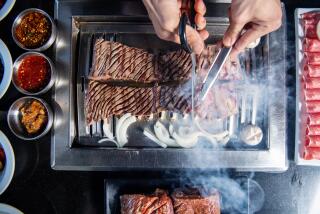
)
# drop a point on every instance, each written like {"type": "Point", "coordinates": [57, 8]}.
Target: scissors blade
{"type": "Point", "coordinates": [214, 71]}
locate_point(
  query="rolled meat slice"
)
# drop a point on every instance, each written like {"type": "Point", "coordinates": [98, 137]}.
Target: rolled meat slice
{"type": "Point", "coordinates": [311, 83]}
{"type": "Point", "coordinates": [311, 45]}
{"type": "Point", "coordinates": [312, 94]}
{"type": "Point", "coordinates": [310, 31]}
{"type": "Point", "coordinates": [311, 153]}
{"type": "Point", "coordinates": [313, 130]}
{"type": "Point", "coordinates": [312, 58]}
{"type": "Point", "coordinates": [311, 71]}
{"type": "Point", "coordinates": [313, 107]}
{"type": "Point", "coordinates": [311, 15]}
{"type": "Point", "coordinates": [313, 119]}
{"type": "Point", "coordinates": [313, 141]}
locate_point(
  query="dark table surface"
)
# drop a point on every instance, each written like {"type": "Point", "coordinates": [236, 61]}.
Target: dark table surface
{"type": "Point", "coordinates": [36, 188]}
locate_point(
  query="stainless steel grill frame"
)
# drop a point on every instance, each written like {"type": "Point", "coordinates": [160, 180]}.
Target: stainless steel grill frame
{"type": "Point", "coordinates": [66, 154]}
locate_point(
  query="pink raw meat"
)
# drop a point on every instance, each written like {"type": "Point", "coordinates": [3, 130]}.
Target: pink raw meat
{"type": "Point", "coordinates": [311, 45]}
{"type": "Point", "coordinates": [313, 107]}
{"type": "Point", "coordinates": [312, 58]}
{"type": "Point", "coordinates": [313, 130]}
{"type": "Point", "coordinates": [313, 119]}
{"type": "Point", "coordinates": [311, 83]}
{"type": "Point", "coordinates": [312, 70]}
{"type": "Point", "coordinates": [313, 141]}
{"type": "Point", "coordinates": [312, 94]}
{"type": "Point", "coordinates": [311, 153]}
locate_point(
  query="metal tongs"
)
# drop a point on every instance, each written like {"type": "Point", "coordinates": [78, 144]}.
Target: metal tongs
{"type": "Point", "coordinates": [221, 57]}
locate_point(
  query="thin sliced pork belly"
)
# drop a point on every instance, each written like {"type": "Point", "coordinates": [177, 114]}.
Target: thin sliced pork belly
{"type": "Point", "coordinates": [310, 31]}
{"type": "Point", "coordinates": [311, 15]}
{"type": "Point", "coordinates": [311, 45]}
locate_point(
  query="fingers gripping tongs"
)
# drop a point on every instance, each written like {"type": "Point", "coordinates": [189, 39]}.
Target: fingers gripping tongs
{"type": "Point", "coordinates": [220, 59]}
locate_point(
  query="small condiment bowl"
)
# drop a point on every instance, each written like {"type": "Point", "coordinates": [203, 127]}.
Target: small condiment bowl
{"type": "Point", "coordinates": [14, 119]}
{"type": "Point", "coordinates": [51, 39]}
{"type": "Point", "coordinates": [16, 65]}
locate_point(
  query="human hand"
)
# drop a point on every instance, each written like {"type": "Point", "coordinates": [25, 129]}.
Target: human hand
{"type": "Point", "coordinates": [257, 17]}
{"type": "Point", "coordinates": [165, 17]}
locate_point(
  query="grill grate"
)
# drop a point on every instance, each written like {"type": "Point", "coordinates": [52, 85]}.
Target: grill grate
{"type": "Point", "coordinates": [251, 108]}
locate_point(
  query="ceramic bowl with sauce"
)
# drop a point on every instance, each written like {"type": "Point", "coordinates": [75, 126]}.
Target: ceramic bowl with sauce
{"type": "Point", "coordinates": [33, 73]}
{"type": "Point", "coordinates": [30, 118]}
{"type": "Point", "coordinates": [34, 30]}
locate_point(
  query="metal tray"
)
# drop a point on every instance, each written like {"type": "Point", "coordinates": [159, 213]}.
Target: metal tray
{"type": "Point", "coordinates": [69, 152]}
{"type": "Point", "coordinates": [247, 192]}
{"type": "Point", "coordinates": [299, 142]}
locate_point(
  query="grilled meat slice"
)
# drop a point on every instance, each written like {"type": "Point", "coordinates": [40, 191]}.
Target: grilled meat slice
{"type": "Point", "coordinates": [157, 203]}
{"type": "Point", "coordinates": [191, 201]}
{"type": "Point", "coordinates": [104, 100]}
{"type": "Point", "coordinates": [115, 61]}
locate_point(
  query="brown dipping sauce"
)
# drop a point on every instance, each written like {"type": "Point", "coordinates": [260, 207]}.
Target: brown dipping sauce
{"type": "Point", "coordinates": [34, 30]}
{"type": "Point", "coordinates": [33, 73]}
{"type": "Point", "coordinates": [34, 117]}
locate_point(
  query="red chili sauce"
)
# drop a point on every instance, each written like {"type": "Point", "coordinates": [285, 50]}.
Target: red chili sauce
{"type": "Point", "coordinates": [33, 73]}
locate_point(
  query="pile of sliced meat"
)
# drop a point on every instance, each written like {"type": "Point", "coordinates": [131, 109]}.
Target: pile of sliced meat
{"type": "Point", "coordinates": [184, 201]}
{"type": "Point", "coordinates": [130, 80]}
{"type": "Point", "coordinates": [310, 81]}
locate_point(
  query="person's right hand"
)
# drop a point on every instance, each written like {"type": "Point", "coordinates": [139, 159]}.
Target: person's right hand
{"type": "Point", "coordinates": [165, 17]}
{"type": "Point", "coordinates": [257, 17]}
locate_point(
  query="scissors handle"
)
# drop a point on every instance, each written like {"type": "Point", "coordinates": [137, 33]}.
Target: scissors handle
{"type": "Point", "coordinates": [187, 18]}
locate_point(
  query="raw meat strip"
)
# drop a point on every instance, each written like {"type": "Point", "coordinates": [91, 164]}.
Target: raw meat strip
{"type": "Point", "coordinates": [312, 70]}
{"type": "Point", "coordinates": [311, 153]}
{"type": "Point", "coordinates": [313, 141]}
{"type": "Point", "coordinates": [311, 45]}
{"type": "Point", "coordinates": [310, 30]}
{"type": "Point", "coordinates": [313, 107]}
{"type": "Point", "coordinates": [312, 58]}
{"type": "Point", "coordinates": [313, 130]}
{"type": "Point", "coordinates": [312, 94]}
{"type": "Point", "coordinates": [312, 83]}
{"type": "Point", "coordinates": [311, 15]}
{"type": "Point", "coordinates": [313, 119]}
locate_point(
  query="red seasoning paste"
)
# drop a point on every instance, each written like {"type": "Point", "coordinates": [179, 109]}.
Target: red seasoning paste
{"type": "Point", "coordinates": [33, 73]}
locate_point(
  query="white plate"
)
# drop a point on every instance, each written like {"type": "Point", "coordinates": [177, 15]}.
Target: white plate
{"type": "Point", "coordinates": [299, 69]}
{"type": "Point", "coordinates": [7, 209]}
{"type": "Point", "coordinates": [6, 59]}
{"type": "Point", "coordinates": [7, 173]}
{"type": "Point", "coordinates": [8, 5]}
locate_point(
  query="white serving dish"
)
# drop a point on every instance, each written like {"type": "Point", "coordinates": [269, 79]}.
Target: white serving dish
{"type": "Point", "coordinates": [7, 173]}
{"type": "Point", "coordinates": [6, 59]}
{"type": "Point", "coordinates": [4, 11]}
{"type": "Point", "coordinates": [299, 35]}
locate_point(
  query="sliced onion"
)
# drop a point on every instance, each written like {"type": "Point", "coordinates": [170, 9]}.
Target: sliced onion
{"type": "Point", "coordinates": [107, 129]}
{"type": "Point", "coordinates": [103, 140]}
{"type": "Point", "coordinates": [163, 135]}
{"type": "Point", "coordinates": [122, 126]}
{"type": "Point", "coordinates": [218, 136]}
{"type": "Point", "coordinates": [148, 133]}
{"type": "Point", "coordinates": [185, 141]}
